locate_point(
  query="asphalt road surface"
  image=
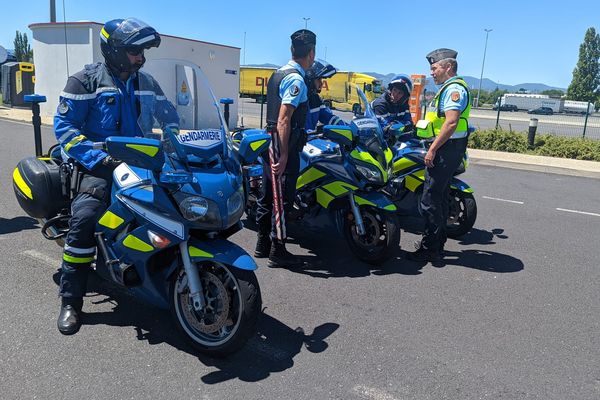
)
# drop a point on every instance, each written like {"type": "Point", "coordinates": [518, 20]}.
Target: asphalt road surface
{"type": "Point", "coordinates": [514, 314]}
{"type": "Point", "coordinates": [558, 124]}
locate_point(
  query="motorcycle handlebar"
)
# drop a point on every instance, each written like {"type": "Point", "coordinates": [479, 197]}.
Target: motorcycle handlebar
{"type": "Point", "coordinates": [99, 146]}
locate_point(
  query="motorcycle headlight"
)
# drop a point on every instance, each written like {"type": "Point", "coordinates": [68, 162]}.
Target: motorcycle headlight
{"type": "Point", "coordinates": [194, 208]}
{"type": "Point", "coordinates": [370, 174]}
{"type": "Point", "coordinates": [203, 212]}
{"type": "Point", "coordinates": [235, 205]}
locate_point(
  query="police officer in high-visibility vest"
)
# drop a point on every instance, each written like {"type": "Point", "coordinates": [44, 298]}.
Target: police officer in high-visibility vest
{"type": "Point", "coordinates": [448, 125]}
{"type": "Point", "coordinates": [287, 107]}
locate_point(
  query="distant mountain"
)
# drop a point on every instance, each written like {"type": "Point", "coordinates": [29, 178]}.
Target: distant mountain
{"type": "Point", "coordinates": [486, 84]}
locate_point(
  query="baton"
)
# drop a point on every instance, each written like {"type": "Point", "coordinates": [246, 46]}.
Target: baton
{"type": "Point", "coordinates": [277, 192]}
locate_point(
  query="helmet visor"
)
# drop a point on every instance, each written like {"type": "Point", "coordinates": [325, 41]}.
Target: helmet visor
{"type": "Point", "coordinates": [130, 34]}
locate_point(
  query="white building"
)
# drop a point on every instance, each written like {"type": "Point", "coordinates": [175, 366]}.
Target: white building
{"type": "Point", "coordinates": [55, 60]}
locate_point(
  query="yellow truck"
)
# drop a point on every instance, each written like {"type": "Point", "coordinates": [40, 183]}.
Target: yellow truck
{"type": "Point", "coordinates": [252, 80]}
{"type": "Point", "coordinates": [339, 91]}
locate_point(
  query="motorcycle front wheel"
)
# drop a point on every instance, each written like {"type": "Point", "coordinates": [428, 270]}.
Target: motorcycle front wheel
{"type": "Point", "coordinates": [461, 215]}
{"type": "Point", "coordinates": [381, 238]}
{"type": "Point", "coordinates": [233, 303]}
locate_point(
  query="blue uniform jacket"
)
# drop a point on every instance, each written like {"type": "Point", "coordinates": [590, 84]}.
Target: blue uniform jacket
{"type": "Point", "coordinates": [95, 105]}
{"type": "Point", "coordinates": [318, 112]}
{"type": "Point", "coordinates": [388, 112]}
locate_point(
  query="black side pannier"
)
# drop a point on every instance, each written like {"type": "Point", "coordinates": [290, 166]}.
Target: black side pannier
{"type": "Point", "coordinates": [39, 188]}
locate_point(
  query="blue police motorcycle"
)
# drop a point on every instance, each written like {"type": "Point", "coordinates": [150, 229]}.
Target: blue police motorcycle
{"type": "Point", "coordinates": [343, 171]}
{"type": "Point", "coordinates": [173, 205]}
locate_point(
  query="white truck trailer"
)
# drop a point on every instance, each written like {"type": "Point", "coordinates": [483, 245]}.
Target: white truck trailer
{"type": "Point", "coordinates": [530, 101]}
{"type": "Point", "coordinates": [578, 107]}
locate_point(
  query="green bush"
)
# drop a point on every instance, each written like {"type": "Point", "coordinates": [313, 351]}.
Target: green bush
{"type": "Point", "coordinates": [545, 145]}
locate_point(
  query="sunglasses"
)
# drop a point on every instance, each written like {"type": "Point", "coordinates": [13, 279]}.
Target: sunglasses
{"type": "Point", "coordinates": [135, 52]}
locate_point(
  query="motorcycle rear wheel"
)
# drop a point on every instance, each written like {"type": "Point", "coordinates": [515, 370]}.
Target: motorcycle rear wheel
{"type": "Point", "coordinates": [233, 304]}
{"type": "Point", "coordinates": [382, 235]}
{"type": "Point", "coordinates": [461, 215]}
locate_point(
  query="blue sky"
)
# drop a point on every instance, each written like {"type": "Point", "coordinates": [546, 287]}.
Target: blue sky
{"type": "Point", "coordinates": [531, 41]}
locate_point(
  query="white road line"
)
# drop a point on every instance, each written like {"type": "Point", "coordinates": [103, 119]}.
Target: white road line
{"type": "Point", "coordinates": [578, 212]}
{"type": "Point", "coordinates": [36, 255]}
{"type": "Point", "coordinates": [507, 201]}
{"type": "Point", "coordinates": [372, 393]}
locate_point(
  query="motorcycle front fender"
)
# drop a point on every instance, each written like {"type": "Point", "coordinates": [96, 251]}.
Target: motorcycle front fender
{"type": "Point", "coordinates": [374, 199]}
{"type": "Point", "coordinates": [221, 251]}
{"type": "Point", "coordinates": [457, 184]}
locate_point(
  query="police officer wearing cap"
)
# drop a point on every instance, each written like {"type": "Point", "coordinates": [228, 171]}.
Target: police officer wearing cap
{"type": "Point", "coordinates": [100, 101]}
{"type": "Point", "coordinates": [287, 107]}
{"type": "Point", "coordinates": [448, 124]}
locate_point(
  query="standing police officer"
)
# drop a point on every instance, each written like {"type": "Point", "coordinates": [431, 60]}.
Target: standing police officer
{"type": "Point", "coordinates": [287, 107]}
{"type": "Point", "coordinates": [100, 101]}
{"type": "Point", "coordinates": [448, 123]}
{"type": "Point", "coordinates": [392, 106]}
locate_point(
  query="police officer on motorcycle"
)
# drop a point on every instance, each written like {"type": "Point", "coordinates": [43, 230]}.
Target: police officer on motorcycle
{"type": "Point", "coordinates": [392, 106]}
{"type": "Point", "coordinates": [318, 111]}
{"type": "Point", "coordinates": [100, 101]}
{"type": "Point", "coordinates": [287, 107]}
{"type": "Point", "coordinates": [448, 125]}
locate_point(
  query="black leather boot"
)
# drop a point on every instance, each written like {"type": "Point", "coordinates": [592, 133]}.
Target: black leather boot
{"type": "Point", "coordinates": [263, 246]}
{"type": "Point", "coordinates": [279, 257]}
{"type": "Point", "coordinates": [69, 319]}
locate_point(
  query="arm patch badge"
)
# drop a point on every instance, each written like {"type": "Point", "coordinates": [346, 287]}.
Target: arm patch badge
{"type": "Point", "coordinates": [455, 96]}
{"type": "Point", "coordinates": [294, 90]}
{"type": "Point", "coordinates": [63, 108]}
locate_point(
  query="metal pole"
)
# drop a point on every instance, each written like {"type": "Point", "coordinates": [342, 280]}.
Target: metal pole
{"type": "Point", "coordinates": [52, 10]}
{"type": "Point", "coordinates": [487, 32]}
{"type": "Point", "coordinates": [244, 48]}
{"type": "Point", "coordinates": [533, 123]}
{"type": "Point", "coordinates": [587, 114]}
{"type": "Point", "coordinates": [498, 115]}
{"type": "Point", "coordinates": [262, 102]}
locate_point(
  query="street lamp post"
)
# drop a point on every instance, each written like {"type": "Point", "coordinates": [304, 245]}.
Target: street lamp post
{"type": "Point", "coordinates": [487, 32]}
{"type": "Point", "coordinates": [305, 22]}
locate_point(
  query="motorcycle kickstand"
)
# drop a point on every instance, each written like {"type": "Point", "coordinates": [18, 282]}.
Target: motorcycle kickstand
{"type": "Point", "coordinates": [360, 226]}
{"type": "Point", "coordinates": [193, 277]}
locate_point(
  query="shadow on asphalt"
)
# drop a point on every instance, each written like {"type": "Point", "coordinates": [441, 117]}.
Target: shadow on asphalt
{"type": "Point", "coordinates": [17, 224]}
{"type": "Point", "coordinates": [482, 260]}
{"type": "Point", "coordinates": [271, 350]}
{"type": "Point", "coordinates": [480, 236]}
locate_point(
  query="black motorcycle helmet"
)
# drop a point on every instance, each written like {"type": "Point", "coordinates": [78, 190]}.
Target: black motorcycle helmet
{"type": "Point", "coordinates": [121, 36]}
{"type": "Point", "coordinates": [320, 69]}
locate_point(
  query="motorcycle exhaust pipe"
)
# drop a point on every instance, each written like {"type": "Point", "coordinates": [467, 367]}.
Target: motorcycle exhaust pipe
{"type": "Point", "coordinates": [360, 225]}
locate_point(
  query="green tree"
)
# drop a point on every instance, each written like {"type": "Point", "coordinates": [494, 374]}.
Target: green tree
{"type": "Point", "coordinates": [586, 75]}
{"type": "Point", "coordinates": [554, 93]}
{"type": "Point", "coordinates": [23, 51]}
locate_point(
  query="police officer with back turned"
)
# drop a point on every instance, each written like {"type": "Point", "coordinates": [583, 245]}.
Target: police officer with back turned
{"type": "Point", "coordinates": [287, 107]}
{"type": "Point", "coordinates": [448, 124]}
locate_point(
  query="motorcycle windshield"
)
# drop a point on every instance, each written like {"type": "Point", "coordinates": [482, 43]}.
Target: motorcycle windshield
{"type": "Point", "coordinates": [369, 132]}
{"type": "Point", "coordinates": [177, 104]}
